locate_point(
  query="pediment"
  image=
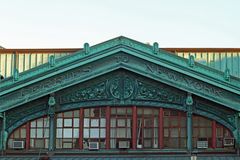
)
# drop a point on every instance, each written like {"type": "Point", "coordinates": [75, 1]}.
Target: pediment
{"type": "Point", "coordinates": [110, 56]}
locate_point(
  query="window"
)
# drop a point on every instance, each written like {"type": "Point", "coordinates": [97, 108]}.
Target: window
{"type": "Point", "coordinates": [18, 135]}
{"type": "Point", "coordinates": [94, 126]}
{"type": "Point", "coordinates": [39, 133]}
{"type": "Point", "coordinates": [202, 131]}
{"type": "Point", "coordinates": [67, 129]}
{"type": "Point", "coordinates": [147, 128]}
{"type": "Point", "coordinates": [174, 126]}
{"type": "Point", "coordinates": [120, 125]}
{"type": "Point", "coordinates": [224, 138]}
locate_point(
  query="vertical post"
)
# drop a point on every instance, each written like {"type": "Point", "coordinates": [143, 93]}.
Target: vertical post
{"type": "Point", "coordinates": [1, 132]}
{"type": "Point", "coordinates": [51, 132]}
{"type": "Point", "coordinates": [214, 134]}
{"type": "Point", "coordinates": [51, 113]}
{"type": "Point", "coordinates": [81, 128]}
{"type": "Point", "coordinates": [189, 131]}
{"type": "Point", "coordinates": [108, 112]}
{"type": "Point", "coordinates": [27, 135]}
{"type": "Point", "coordinates": [189, 104]}
{"type": "Point", "coordinates": [134, 128]}
{"type": "Point", "coordinates": [160, 128]}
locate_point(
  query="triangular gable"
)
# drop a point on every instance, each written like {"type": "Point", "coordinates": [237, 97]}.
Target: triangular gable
{"type": "Point", "coordinates": [111, 55]}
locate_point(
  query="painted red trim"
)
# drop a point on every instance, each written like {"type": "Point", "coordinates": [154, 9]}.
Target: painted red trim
{"type": "Point", "coordinates": [134, 128]}
{"type": "Point", "coordinates": [81, 118]}
{"type": "Point", "coordinates": [108, 112]}
{"type": "Point", "coordinates": [214, 134]}
{"type": "Point", "coordinates": [27, 135]}
{"type": "Point", "coordinates": [160, 128]}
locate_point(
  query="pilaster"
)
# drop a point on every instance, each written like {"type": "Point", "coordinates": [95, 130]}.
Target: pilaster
{"type": "Point", "coordinates": [189, 104]}
{"type": "Point", "coordinates": [51, 114]}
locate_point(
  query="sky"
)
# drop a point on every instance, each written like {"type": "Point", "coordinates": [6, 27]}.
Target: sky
{"type": "Point", "coordinates": [71, 23]}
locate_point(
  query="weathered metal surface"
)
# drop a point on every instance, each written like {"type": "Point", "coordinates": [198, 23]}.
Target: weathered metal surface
{"type": "Point", "coordinates": [122, 62]}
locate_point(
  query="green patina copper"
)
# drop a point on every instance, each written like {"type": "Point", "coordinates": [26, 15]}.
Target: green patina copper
{"type": "Point", "coordinates": [121, 71]}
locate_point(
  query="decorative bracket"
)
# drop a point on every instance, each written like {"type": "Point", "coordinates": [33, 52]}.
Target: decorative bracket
{"type": "Point", "coordinates": [51, 61]}
{"type": "Point", "coordinates": [227, 74]}
{"type": "Point", "coordinates": [86, 48]}
{"type": "Point", "coordinates": [155, 48]}
{"type": "Point", "coordinates": [16, 75]}
{"type": "Point", "coordinates": [191, 61]}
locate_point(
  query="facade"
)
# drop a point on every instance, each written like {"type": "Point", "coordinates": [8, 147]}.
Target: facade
{"type": "Point", "coordinates": [120, 97]}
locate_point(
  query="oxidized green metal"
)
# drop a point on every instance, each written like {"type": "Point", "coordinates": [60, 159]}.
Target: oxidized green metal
{"type": "Point", "coordinates": [121, 71]}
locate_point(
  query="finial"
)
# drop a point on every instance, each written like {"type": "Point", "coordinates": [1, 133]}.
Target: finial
{"type": "Point", "coordinates": [227, 74]}
{"type": "Point", "coordinates": [191, 61]}
{"type": "Point", "coordinates": [86, 48]}
{"type": "Point", "coordinates": [16, 75]}
{"type": "Point", "coordinates": [155, 48]}
{"type": "Point", "coordinates": [51, 61]}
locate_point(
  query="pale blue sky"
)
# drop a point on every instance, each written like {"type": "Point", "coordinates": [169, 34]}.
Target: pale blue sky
{"type": "Point", "coordinates": [70, 23]}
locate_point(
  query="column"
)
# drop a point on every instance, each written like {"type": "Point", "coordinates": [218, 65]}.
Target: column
{"type": "Point", "coordinates": [189, 131]}
{"type": "Point", "coordinates": [1, 131]}
{"type": "Point", "coordinates": [51, 132]}
{"type": "Point", "coordinates": [134, 128]}
{"type": "Point", "coordinates": [189, 105]}
{"type": "Point", "coordinates": [214, 134]}
{"type": "Point", "coordinates": [51, 114]}
{"type": "Point", "coordinates": [160, 128]}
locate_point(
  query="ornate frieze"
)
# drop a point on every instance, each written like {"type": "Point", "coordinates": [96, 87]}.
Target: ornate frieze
{"type": "Point", "coordinates": [158, 93]}
{"type": "Point", "coordinates": [95, 92]}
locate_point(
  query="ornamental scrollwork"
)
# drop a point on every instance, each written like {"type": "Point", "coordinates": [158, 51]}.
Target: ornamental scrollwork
{"type": "Point", "coordinates": [161, 93]}
{"type": "Point", "coordinates": [95, 92]}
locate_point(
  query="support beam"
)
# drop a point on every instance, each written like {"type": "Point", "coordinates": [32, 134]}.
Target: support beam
{"type": "Point", "coordinates": [134, 128]}
{"type": "Point", "coordinates": [189, 130]}
{"type": "Point", "coordinates": [189, 104]}
{"type": "Point", "coordinates": [160, 128]}
{"type": "Point", "coordinates": [1, 131]}
{"type": "Point", "coordinates": [214, 134]}
{"type": "Point", "coordinates": [81, 128]}
{"type": "Point", "coordinates": [51, 132]}
{"type": "Point", "coordinates": [108, 112]}
{"type": "Point", "coordinates": [51, 114]}
{"type": "Point", "coordinates": [27, 135]}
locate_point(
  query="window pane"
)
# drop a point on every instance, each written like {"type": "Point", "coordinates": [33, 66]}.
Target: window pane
{"type": "Point", "coordinates": [67, 122]}
{"type": "Point", "coordinates": [76, 122]}
{"type": "Point", "coordinates": [76, 133]}
{"type": "Point", "coordinates": [174, 132]}
{"type": "Point", "coordinates": [86, 133]}
{"type": "Point", "coordinates": [59, 133]}
{"type": "Point", "coordinates": [67, 132]}
{"type": "Point", "coordinates": [59, 122]}
{"type": "Point", "coordinates": [94, 133]}
{"type": "Point", "coordinates": [32, 133]}
{"type": "Point", "coordinates": [86, 122]}
{"type": "Point", "coordinates": [121, 133]}
{"type": "Point", "coordinates": [147, 133]}
{"type": "Point", "coordinates": [94, 122]}
{"type": "Point", "coordinates": [103, 122]}
{"type": "Point", "coordinates": [121, 122]}
{"type": "Point", "coordinates": [33, 124]}
{"type": "Point", "coordinates": [113, 122]}
{"type": "Point", "coordinates": [40, 122]}
{"type": "Point", "coordinates": [46, 133]}
{"type": "Point", "coordinates": [102, 133]}
{"type": "Point", "coordinates": [23, 133]}
{"type": "Point", "coordinates": [39, 133]}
